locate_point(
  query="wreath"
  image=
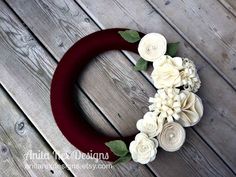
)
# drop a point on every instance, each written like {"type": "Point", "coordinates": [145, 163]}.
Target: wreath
{"type": "Point", "coordinates": [174, 106]}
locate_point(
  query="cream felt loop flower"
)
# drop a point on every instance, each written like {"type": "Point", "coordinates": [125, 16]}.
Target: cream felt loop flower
{"type": "Point", "coordinates": [152, 46]}
{"type": "Point", "coordinates": [166, 104]}
{"type": "Point", "coordinates": [143, 149]}
{"type": "Point", "coordinates": [166, 72]}
{"type": "Point", "coordinates": [172, 137]}
{"type": "Point", "coordinates": [189, 76]}
{"type": "Point", "coordinates": [149, 125]}
{"type": "Point", "coordinates": [192, 109]}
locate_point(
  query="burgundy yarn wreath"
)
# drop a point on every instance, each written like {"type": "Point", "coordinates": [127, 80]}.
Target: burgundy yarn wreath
{"type": "Point", "coordinates": [68, 117]}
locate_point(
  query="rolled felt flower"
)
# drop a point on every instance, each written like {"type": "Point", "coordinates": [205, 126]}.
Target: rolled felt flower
{"type": "Point", "coordinates": [143, 149]}
{"type": "Point", "coordinates": [149, 125]}
{"type": "Point", "coordinates": [152, 46]}
{"type": "Point", "coordinates": [172, 137]}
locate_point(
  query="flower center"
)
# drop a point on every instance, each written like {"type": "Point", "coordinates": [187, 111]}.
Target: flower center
{"type": "Point", "coordinates": [151, 48]}
{"type": "Point", "coordinates": [171, 136]}
{"type": "Point", "coordinates": [143, 148]}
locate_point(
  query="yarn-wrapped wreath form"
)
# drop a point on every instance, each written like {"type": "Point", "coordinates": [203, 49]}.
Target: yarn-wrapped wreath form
{"type": "Point", "coordinates": [68, 117]}
{"type": "Point", "coordinates": [174, 106]}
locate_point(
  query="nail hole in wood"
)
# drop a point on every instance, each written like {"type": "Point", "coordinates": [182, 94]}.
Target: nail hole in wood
{"type": "Point", "coordinates": [167, 3]}
{"type": "Point", "coordinates": [4, 151]}
{"type": "Point", "coordinates": [20, 127]}
{"type": "Point", "coordinates": [87, 20]}
{"type": "Point", "coordinates": [52, 171]}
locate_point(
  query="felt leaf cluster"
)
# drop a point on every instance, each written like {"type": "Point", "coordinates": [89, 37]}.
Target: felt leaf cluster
{"type": "Point", "coordinates": [130, 36]}
{"type": "Point", "coordinates": [141, 65]}
{"type": "Point", "coordinates": [172, 49]}
{"type": "Point", "coordinates": [119, 148]}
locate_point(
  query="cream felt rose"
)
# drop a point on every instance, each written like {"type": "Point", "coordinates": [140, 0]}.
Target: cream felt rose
{"type": "Point", "coordinates": [149, 125]}
{"type": "Point", "coordinates": [191, 109]}
{"type": "Point", "coordinates": [152, 46]}
{"type": "Point", "coordinates": [143, 149]}
{"type": "Point", "coordinates": [172, 137]}
{"type": "Point", "coordinates": [166, 72]}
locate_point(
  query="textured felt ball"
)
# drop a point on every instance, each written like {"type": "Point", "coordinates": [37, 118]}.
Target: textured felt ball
{"type": "Point", "coordinates": [67, 115]}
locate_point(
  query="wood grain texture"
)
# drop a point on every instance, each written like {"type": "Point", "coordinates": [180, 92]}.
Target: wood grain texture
{"type": "Point", "coordinates": [20, 143]}
{"type": "Point", "coordinates": [26, 71]}
{"type": "Point", "coordinates": [230, 5]}
{"type": "Point", "coordinates": [218, 120]}
{"type": "Point", "coordinates": [209, 27]}
{"type": "Point", "coordinates": [113, 70]}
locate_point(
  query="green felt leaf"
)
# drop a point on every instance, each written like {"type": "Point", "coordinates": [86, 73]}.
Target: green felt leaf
{"type": "Point", "coordinates": [172, 49]}
{"type": "Point", "coordinates": [118, 147]}
{"type": "Point", "coordinates": [130, 36]}
{"type": "Point", "coordinates": [123, 159]}
{"type": "Point", "coordinates": [141, 65]}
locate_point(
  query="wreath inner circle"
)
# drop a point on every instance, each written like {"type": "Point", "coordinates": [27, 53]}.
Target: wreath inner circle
{"type": "Point", "coordinates": [67, 116]}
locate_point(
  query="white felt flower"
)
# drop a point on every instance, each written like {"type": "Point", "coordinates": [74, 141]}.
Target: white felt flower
{"type": "Point", "coordinates": [166, 72]}
{"type": "Point", "coordinates": [148, 125]}
{"type": "Point", "coordinates": [152, 46]}
{"type": "Point", "coordinates": [191, 109]}
{"type": "Point", "coordinates": [172, 137]}
{"type": "Point", "coordinates": [189, 76]}
{"type": "Point", "coordinates": [143, 149]}
{"type": "Point", "coordinates": [166, 104]}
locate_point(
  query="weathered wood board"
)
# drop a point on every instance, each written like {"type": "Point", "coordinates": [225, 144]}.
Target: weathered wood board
{"type": "Point", "coordinates": [27, 70]}
{"type": "Point", "coordinates": [41, 35]}
{"type": "Point", "coordinates": [23, 152]}
{"type": "Point", "coordinates": [209, 27]}
{"type": "Point", "coordinates": [230, 5]}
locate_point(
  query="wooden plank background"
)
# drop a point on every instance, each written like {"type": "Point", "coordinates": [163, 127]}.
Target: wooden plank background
{"type": "Point", "coordinates": [35, 34]}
